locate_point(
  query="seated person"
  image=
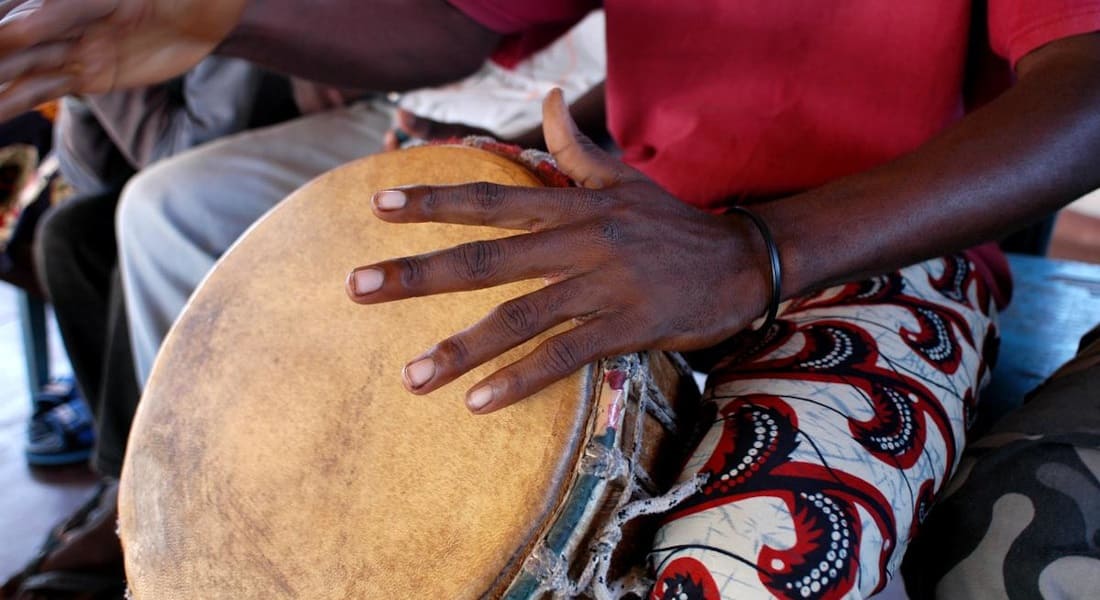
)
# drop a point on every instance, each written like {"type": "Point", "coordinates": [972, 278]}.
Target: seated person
{"type": "Point", "coordinates": [101, 141]}
{"type": "Point", "coordinates": [178, 215]}
{"type": "Point", "coordinates": [838, 419]}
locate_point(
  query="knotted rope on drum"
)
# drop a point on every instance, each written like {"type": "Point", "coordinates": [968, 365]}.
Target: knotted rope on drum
{"type": "Point", "coordinates": [651, 400]}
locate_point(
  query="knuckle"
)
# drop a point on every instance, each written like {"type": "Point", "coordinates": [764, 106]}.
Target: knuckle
{"type": "Point", "coordinates": [560, 297]}
{"type": "Point", "coordinates": [411, 272]}
{"type": "Point", "coordinates": [476, 261]}
{"type": "Point", "coordinates": [453, 351]}
{"type": "Point", "coordinates": [518, 317]}
{"type": "Point", "coordinates": [486, 197]}
{"type": "Point", "coordinates": [562, 355]}
{"type": "Point", "coordinates": [513, 382]}
{"type": "Point", "coordinates": [609, 231]}
{"type": "Point", "coordinates": [591, 201]}
{"type": "Point", "coordinates": [571, 152]}
{"type": "Point", "coordinates": [429, 200]}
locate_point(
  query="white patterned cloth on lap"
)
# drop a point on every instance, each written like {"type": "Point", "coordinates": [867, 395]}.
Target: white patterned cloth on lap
{"type": "Point", "coordinates": [832, 432]}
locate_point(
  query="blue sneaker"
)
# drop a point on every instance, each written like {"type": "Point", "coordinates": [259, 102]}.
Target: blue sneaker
{"type": "Point", "coordinates": [61, 430]}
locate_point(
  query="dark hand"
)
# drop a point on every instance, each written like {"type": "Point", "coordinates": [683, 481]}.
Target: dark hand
{"type": "Point", "coordinates": [50, 48]}
{"type": "Point", "coordinates": [634, 267]}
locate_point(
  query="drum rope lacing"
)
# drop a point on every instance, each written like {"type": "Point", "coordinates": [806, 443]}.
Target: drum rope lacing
{"type": "Point", "coordinates": [550, 568]}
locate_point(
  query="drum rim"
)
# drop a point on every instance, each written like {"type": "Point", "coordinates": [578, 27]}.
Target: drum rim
{"type": "Point", "coordinates": [588, 384]}
{"type": "Point", "coordinates": [515, 574]}
{"type": "Point", "coordinates": [589, 488]}
{"type": "Point", "coordinates": [578, 497]}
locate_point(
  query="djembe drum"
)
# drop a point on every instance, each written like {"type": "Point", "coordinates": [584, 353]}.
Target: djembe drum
{"type": "Point", "coordinates": [275, 453]}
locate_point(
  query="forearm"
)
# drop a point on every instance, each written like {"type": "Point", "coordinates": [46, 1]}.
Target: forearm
{"type": "Point", "coordinates": [1021, 157]}
{"type": "Point", "coordinates": [378, 45]}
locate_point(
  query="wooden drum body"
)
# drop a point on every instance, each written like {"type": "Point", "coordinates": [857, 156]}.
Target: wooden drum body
{"type": "Point", "coordinates": [275, 453]}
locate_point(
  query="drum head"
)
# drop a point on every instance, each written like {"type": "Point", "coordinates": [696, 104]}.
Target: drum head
{"type": "Point", "coordinates": [275, 453]}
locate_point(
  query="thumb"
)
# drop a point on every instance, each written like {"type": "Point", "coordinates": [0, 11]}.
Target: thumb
{"type": "Point", "coordinates": [576, 155]}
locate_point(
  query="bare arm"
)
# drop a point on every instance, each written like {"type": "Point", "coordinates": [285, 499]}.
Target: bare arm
{"type": "Point", "coordinates": [51, 48]}
{"type": "Point", "coordinates": [380, 45]}
{"type": "Point", "coordinates": [1019, 158]}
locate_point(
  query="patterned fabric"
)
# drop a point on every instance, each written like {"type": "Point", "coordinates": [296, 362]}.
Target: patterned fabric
{"type": "Point", "coordinates": [1021, 518]}
{"type": "Point", "coordinates": [17, 164]}
{"type": "Point", "coordinates": [831, 435]}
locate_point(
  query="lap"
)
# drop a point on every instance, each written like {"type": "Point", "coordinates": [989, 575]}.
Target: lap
{"type": "Point", "coordinates": [831, 435]}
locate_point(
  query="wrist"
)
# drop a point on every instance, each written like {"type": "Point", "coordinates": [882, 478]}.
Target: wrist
{"type": "Point", "coordinates": [772, 261]}
{"type": "Point", "coordinates": [792, 230]}
{"type": "Point", "coordinates": [741, 272]}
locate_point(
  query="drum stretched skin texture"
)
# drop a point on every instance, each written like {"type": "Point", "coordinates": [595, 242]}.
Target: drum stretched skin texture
{"type": "Point", "coordinates": [275, 453]}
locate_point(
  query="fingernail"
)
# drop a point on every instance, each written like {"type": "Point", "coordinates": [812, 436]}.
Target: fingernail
{"type": "Point", "coordinates": [479, 398]}
{"type": "Point", "coordinates": [418, 373]}
{"type": "Point", "coordinates": [367, 281]}
{"type": "Point", "coordinates": [389, 200]}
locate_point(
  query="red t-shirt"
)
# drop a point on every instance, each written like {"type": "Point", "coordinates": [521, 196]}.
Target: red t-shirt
{"type": "Point", "coordinates": [718, 100]}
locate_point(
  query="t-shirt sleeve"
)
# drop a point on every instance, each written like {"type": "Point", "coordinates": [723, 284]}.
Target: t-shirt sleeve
{"type": "Point", "coordinates": [518, 16]}
{"type": "Point", "coordinates": [1016, 27]}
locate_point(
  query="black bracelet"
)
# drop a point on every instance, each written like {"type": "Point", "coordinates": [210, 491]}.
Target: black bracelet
{"type": "Point", "coordinates": [773, 256]}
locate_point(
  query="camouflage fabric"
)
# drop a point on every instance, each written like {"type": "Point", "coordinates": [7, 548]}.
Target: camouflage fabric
{"type": "Point", "coordinates": [1021, 518]}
